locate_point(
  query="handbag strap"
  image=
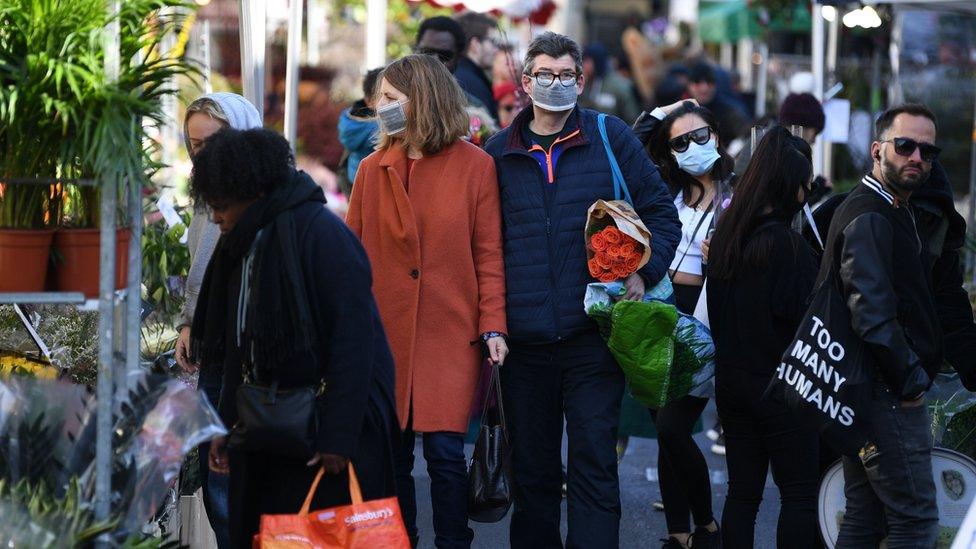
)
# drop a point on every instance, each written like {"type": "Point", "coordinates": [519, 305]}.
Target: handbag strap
{"type": "Point", "coordinates": [693, 235]}
{"type": "Point", "coordinates": [355, 492]}
{"type": "Point", "coordinates": [619, 186]}
{"type": "Point", "coordinates": [495, 388]}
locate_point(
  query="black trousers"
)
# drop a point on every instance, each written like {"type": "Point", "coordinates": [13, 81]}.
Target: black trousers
{"type": "Point", "coordinates": [579, 379]}
{"type": "Point", "coordinates": [682, 468]}
{"type": "Point", "coordinates": [265, 484]}
{"type": "Point", "coordinates": [758, 434]}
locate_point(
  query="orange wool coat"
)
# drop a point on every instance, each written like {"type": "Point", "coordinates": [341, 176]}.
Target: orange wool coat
{"type": "Point", "coordinates": [438, 273]}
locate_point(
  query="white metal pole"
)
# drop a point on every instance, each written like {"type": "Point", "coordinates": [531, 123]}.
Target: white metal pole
{"type": "Point", "coordinates": [375, 33]}
{"type": "Point", "coordinates": [252, 31]}
{"type": "Point", "coordinates": [291, 71]}
{"type": "Point", "coordinates": [205, 54]}
{"type": "Point", "coordinates": [896, 94]}
{"type": "Point", "coordinates": [106, 316]}
{"type": "Point", "coordinates": [817, 47]}
{"type": "Point", "coordinates": [762, 79]}
{"type": "Point", "coordinates": [743, 61]}
{"type": "Point", "coordinates": [833, 29]}
{"type": "Point", "coordinates": [315, 24]}
{"type": "Point", "coordinates": [725, 55]}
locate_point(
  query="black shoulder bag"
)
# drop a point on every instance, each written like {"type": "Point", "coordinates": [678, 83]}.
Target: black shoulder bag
{"type": "Point", "coordinates": [276, 421]}
{"type": "Point", "coordinates": [271, 420]}
{"type": "Point", "coordinates": [490, 484]}
{"type": "Point", "coordinates": [825, 375]}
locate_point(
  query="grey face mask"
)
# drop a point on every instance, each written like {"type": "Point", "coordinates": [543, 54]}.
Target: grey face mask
{"type": "Point", "coordinates": [393, 119]}
{"type": "Point", "coordinates": [555, 98]}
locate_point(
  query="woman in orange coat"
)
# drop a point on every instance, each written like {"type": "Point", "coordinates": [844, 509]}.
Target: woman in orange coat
{"type": "Point", "coordinates": [426, 208]}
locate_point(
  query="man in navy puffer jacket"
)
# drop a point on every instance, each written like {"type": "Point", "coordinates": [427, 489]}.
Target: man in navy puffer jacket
{"type": "Point", "coordinates": [552, 165]}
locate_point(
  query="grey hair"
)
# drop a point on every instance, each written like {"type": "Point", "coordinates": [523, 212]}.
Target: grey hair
{"type": "Point", "coordinates": [208, 107]}
{"type": "Point", "coordinates": [555, 46]}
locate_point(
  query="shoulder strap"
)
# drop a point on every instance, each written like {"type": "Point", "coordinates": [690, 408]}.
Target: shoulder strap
{"type": "Point", "coordinates": [619, 186]}
{"type": "Point", "coordinates": [693, 235]}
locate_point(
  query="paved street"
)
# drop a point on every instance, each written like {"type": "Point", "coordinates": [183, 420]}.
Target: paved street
{"type": "Point", "coordinates": [641, 526]}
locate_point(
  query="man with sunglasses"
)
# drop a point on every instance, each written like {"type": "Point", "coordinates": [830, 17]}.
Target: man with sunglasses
{"type": "Point", "coordinates": [895, 272]}
{"type": "Point", "coordinates": [443, 38]}
{"type": "Point", "coordinates": [552, 165]}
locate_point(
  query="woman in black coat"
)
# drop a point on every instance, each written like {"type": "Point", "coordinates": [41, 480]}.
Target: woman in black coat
{"type": "Point", "coordinates": [760, 276]}
{"type": "Point", "coordinates": [287, 298]}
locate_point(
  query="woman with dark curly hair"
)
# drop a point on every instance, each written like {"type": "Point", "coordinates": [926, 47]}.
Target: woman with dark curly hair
{"type": "Point", "coordinates": [426, 207]}
{"type": "Point", "coordinates": [682, 139]}
{"type": "Point", "coordinates": [286, 307]}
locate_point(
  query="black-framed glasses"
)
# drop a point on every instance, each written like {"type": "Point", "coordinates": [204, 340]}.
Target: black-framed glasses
{"type": "Point", "coordinates": [906, 147]}
{"type": "Point", "coordinates": [566, 78]}
{"type": "Point", "coordinates": [445, 56]}
{"type": "Point", "coordinates": [680, 144]}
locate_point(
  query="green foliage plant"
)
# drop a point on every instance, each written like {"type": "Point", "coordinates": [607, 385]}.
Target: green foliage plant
{"type": "Point", "coordinates": [63, 118]}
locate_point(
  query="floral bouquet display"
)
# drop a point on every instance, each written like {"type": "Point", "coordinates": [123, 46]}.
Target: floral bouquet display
{"type": "Point", "coordinates": [664, 353]}
{"type": "Point", "coordinates": [615, 255]}
{"type": "Point", "coordinates": [618, 243]}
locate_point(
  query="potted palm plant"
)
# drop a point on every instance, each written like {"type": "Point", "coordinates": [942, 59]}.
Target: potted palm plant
{"type": "Point", "coordinates": [62, 119]}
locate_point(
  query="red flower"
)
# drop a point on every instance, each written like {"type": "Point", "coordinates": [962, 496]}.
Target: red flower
{"type": "Point", "coordinates": [598, 242]}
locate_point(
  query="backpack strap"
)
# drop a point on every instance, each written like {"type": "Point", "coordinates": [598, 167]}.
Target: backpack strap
{"type": "Point", "coordinates": [619, 186]}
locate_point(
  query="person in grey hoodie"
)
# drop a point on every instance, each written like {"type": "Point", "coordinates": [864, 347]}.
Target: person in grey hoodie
{"type": "Point", "coordinates": [204, 117]}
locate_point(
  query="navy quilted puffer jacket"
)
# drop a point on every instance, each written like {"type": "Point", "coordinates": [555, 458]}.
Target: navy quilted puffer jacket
{"type": "Point", "coordinates": [545, 196]}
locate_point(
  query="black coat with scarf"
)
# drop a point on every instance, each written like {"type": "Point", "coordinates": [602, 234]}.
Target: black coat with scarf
{"type": "Point", "coordinates": [349, 348]}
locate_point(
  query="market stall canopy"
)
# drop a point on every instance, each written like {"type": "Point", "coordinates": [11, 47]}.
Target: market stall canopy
{"type": "Point", "coordinates": [731, 20]}
{"type": "Point", "coordinates": [536, 12]}
{"type": "Point", "coordinates": [957, 6]}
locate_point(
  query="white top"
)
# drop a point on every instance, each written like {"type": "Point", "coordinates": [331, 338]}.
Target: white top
{"type": "Point", "coordinates": [691, 218]}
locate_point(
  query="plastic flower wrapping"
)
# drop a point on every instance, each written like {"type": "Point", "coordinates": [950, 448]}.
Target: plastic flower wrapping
{"type": "Point", "coordinates": [47, 457]}
{"type": "Point", "coordinates": [664, 353]}
{"type": "Point", "coordinates": [953, 414]}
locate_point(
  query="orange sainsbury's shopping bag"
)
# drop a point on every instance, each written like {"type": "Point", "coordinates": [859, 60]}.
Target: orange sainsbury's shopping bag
{"type": "Point", "coordinates": [361, 525]}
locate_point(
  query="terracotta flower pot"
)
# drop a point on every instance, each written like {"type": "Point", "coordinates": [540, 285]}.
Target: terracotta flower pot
{"type": "Point", "coordinates": [76, 266]}
{"type": "Point", "coordinates": [23, 259]}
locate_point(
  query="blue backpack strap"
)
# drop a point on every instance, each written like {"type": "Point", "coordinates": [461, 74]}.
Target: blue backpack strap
{"type": "Point", "coordinates": [619, 186]}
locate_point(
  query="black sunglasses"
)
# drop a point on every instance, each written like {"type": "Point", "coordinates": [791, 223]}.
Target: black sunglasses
{"type": "Point", "coordinates": [906, 147]}
{"type": "Point", "coordinates": [701, 136]}
{"type": "Point", "coordinates": [445, 56]}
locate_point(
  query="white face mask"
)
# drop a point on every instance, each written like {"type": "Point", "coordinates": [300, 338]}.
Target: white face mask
{"type": "Point", "coordinates": [698, 159]}
{"type": "Point", "coordinates": [393, 119]}
{"type": "Point", "coordinates": [555, 98]}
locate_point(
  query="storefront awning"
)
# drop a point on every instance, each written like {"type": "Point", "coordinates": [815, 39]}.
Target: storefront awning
{"type": "Point", "coordinates": [731, 20]}
{"type": "Point", "coordinates": [537, 12]}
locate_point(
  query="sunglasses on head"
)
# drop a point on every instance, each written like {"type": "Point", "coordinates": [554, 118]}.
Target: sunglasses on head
{"type": "Point", "coordinates": [701, 136]}
{"type": "Point", "coordinates": [445, 56]}
{"type": "Point", "coordinates": [906, 147]}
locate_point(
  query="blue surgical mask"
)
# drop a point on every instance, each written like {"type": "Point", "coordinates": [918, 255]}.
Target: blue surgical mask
{"type": "Point", "coordinates": [698, 159]}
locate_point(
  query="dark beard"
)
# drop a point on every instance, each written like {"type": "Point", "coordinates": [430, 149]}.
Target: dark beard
{"type": "Point", "coordinates": [901, 183]}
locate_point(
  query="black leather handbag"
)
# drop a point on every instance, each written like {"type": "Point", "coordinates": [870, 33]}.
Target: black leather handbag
{"type": "Point", "coordinates": [490, 486]}
{"type": "Point", "coordinates": [275, 421]}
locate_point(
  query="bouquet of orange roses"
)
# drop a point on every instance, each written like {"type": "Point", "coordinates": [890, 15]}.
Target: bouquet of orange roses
{"type": "Point", "coordinates": [615, 255]}
{"type": "Point", "coordinates": [617, 241]}
{"type": "Point", "coordinates": [663, 353]}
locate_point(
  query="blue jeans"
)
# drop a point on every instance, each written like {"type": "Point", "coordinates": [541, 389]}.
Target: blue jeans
{"type": "Point", "coordinates": [444, 453]}
{"type": "Point", "coordinates": [215, 487]}
{"type": "Point", "coordinates": [890, 490]}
